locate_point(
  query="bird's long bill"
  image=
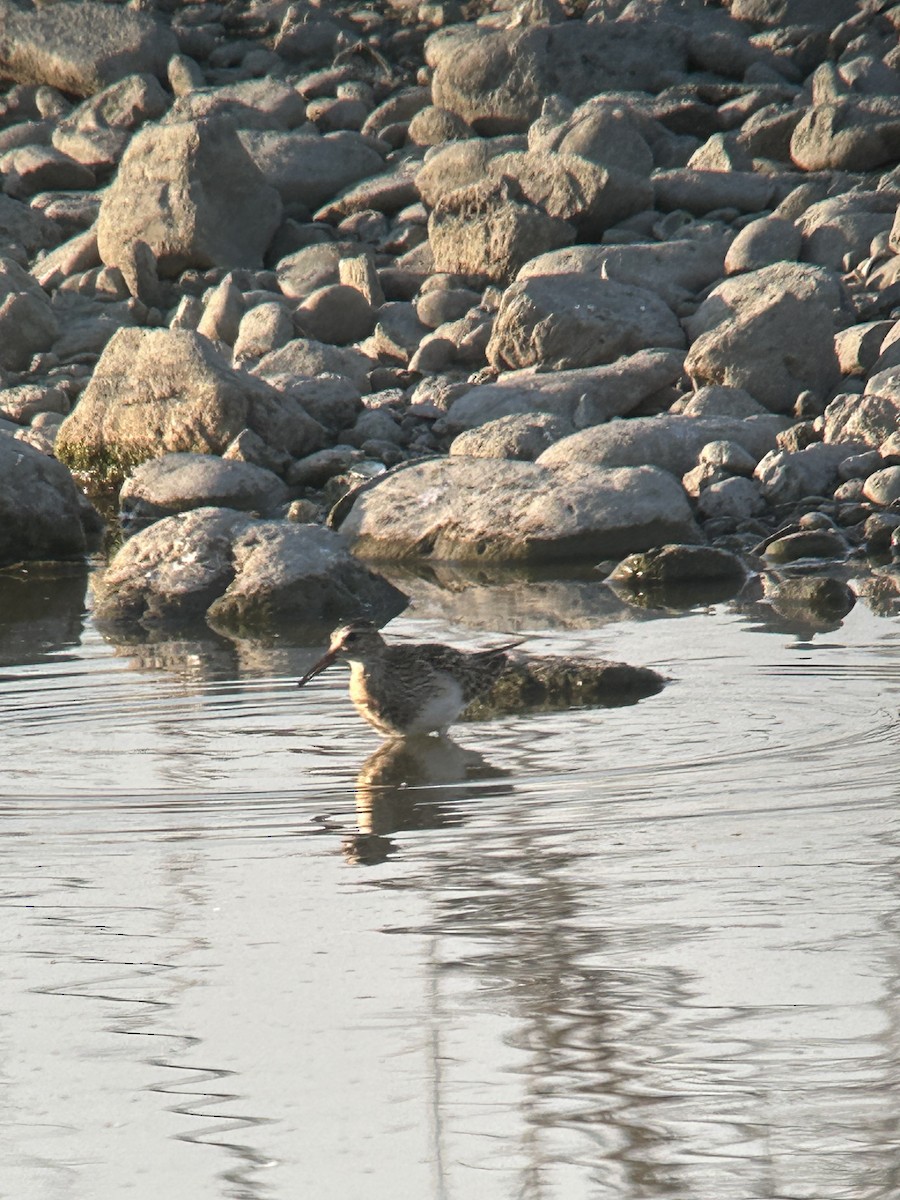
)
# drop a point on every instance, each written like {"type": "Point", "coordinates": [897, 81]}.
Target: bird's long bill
{"type": "Point", "coordinates": [325, 661]}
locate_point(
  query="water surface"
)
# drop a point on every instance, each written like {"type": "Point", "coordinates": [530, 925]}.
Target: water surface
{"type": "Point", "coordinates": [633, 953]}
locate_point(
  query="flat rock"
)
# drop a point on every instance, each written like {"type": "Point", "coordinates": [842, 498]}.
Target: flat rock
{"type": "Point", "coordinates": [309, 168]}
{"type": "Point", "coordinates": [674, 270]}
{"type": "Point", "coordinates": [883, 487]}
{"type": "Point", "coordinates": [241, 573]}
{"type": "Point", "coordinates": [583, 396]}
{"type": "Point", "coordinates": [523, 436]}
{"type": "Point", "coordinates": [43, 515]}
{"type": "Point", "coordinates": [670, 442]}
{"type": "Point", "coordinates": [307, 359]}
{"type": "Point", "coordinates": [175, 483]}
{"type": "Point", "coordinates": [81, 47]}
{"type": "Point", "coordinates": [191, 193]}
{"type": "Point", "coordinates": [160, 390]}
{"type": "Point", "coordinates": [578, 320]}
{"type": "Point", "coordinates": [491, 510]}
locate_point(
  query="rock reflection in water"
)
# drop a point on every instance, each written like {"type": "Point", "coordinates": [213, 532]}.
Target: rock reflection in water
{"type": "Point", "coordinates": [41, 610]}
{"type": "Point", "coordinates": [412, 784]}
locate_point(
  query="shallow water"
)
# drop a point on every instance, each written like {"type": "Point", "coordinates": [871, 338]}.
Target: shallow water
{"type": "Point", "coordinates": [641, 952]}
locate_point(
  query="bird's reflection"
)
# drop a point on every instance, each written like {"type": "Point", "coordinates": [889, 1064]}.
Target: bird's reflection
{"type": "Point", "coordinates": [413, 783]}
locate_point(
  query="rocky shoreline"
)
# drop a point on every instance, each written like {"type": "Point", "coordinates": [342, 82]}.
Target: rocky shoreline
{"type": "Point", "coordinates": [312, 289]}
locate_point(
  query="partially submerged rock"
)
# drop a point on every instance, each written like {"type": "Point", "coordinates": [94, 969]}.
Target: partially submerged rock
{"type": "Point", "coordinates": [43, 515]}
{"type": "Point", "coordinates": [546, 684]}
{"type": "Point", "coordinates": [241, 573]}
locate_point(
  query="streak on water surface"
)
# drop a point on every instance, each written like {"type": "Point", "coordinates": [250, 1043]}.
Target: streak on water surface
{"type": "Point", "coordinates": [636, 953]}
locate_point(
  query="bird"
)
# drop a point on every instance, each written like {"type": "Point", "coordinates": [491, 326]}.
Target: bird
{"type": "Point", "coordinates": [407, 690]}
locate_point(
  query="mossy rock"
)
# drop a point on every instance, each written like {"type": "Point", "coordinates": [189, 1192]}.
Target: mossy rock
{"type": "Point", "coordinates": [549, 684]}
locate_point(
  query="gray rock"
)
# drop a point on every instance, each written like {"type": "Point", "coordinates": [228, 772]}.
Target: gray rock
{"type": "Point", "coordinates": [307, 167]}
{"type": "Point", "coordinates": [848, 134]}
{"type": "Point", "coordinates": [98, 130]}
{"type": "Point", "coordinates": [770, 331]}
{"type": "Point", "coordinates": [763, 242]}
{"type": "Point", "coordinates": [808, 543]}
{"type": "Point", "coordinates": [494, 510]}
{"type": "Point", "coordinates": [43, 515]}
{"type": "Point", "coordinates": [386, 192]}
{"type": "Point", "coordinates": [28, 170]}
{"type": "Point", "coordinates": [728, 456]}
{"type": "Point", "coordinates": [722, 401]}
{"type": "Point", "coordinates": [524, 436]}
{"type": "Point", "coordinates": [867, 419]}
{"type": "Point", "coordinates": [674, 270]}
{"type": "Point", "coordinates": [192, 194]}
{"type": "Point", "coordinates": [858, 347]}
{"type": "Point", "coordinates": [265, 103]}
{"type": "Point", "coordinates": [601, 131]}
{"type": "Point", "coordinates": [432, 126]}
{"type": "Point", "coordinates": [305, 358]}
{"type": "Point", "coordinates": [459, 164]}
{"type": "Point", "coordinates": [23, 225]}
{"type": "Point", "coordinates": [81, 47]}
{"type": "Point", "coordinates": [333, 400]}
{"type": "Point", "coordinates": [312, 267]}
{"type": "Point", "coordinates": [315, 470]}
{"type": "Point", "coordinates": [786, 476]}
{"type": "Point", "coordinates": [159, 390]}
{"type": "Point", "coordinates": [336, 314]}
{"type": "Point", "coordinates": [675, 564]}
{"type": "Point", "coordinates": [441, 304]}
{"type": "Point", "coordinates": [883, 487]}
{"type": "Point", "coordinates": [702, 192]}
{"type": "Point", "coordinates": [263, 328]}
{"type": "Point", "coordinates": [222, 313]}
{"type": "Point", "coordinates": [590, 197]}
{"type": "Point", "coordinates": [838, 232]}
{"type": "Point", "coordinates": [497, 80]}
{"type": "Point", "coordinates": [241, 573]}
{"type": "Point", "coordinates": [78, 254]}
{"type": "Point", "coordinates": [670, 442]}
{"type": "Point", "coordinates": [484, 230]}
{"type": "Point", "coordinates": [175, 483]}
{"type": "Point", "coordinates": [27, 321]}
{"type": "Point", "coordinates": [582, 397]}
{"type": "Point", "coordinates": [736, 498]}
{"type": "Point", "coordinates": [576, 320]}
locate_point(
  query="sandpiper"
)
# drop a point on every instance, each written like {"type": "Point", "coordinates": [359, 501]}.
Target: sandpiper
{"type": "Point", "coordinates": [406, 690]}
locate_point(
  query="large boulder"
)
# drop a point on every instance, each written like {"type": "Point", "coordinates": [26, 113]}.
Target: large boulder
{"type": "Point", "coordinates": [81, 47]}
{"type": "Point", "coordinates": [578, 320]}
{"type": "Point", "coordinates": [159, 390]}
{"type": "Point", "coordinates": [669, 442]}
{"type": "Point", "coordinates": [241, 572]}
{"type": "Point", "coordinates": [43, 515]}
{"type": "Point", "coordinates": [190, 192]}
{"type": "Point", "coordinates": [771, 332]}
{"type": "Point", "coordinates": [500, 510]}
